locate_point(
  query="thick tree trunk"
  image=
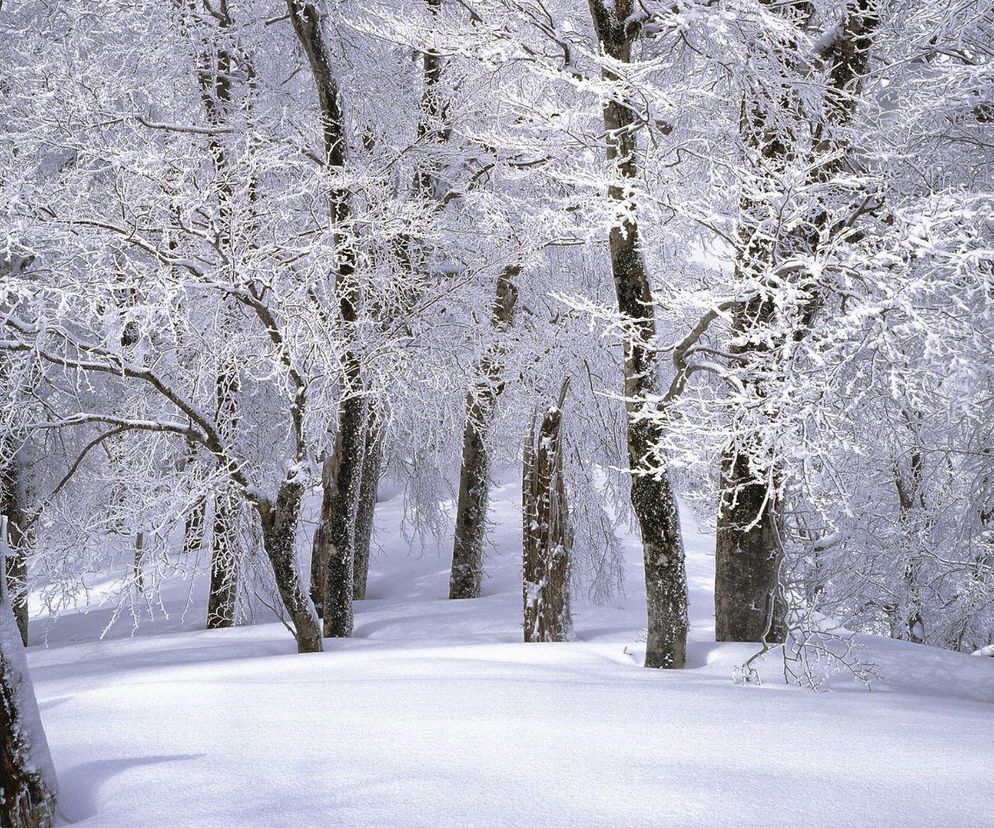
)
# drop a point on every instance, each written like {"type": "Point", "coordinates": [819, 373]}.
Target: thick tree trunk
{"type": "Point", "coordinates": [546, 534]}
{"type": "Point", "coordinates": [279, 535]}
{"type": "Point", "coordinates": [27, 778]}
{"type": "Point", "coordinates": [748, 602]}
{"type": "Point", "coordinates": [652, 496]}
{"type": "Point", "coordinates": [371, 467]}
{"type": "Point", "coordinates": [466, 576]}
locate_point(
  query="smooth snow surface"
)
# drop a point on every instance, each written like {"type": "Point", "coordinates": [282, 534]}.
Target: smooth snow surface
{"type": "Point", "coordinates": [435, 714]}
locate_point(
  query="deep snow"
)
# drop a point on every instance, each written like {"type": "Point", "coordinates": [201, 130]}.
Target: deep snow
{"type": "Point", "coordinates": [436, 714]}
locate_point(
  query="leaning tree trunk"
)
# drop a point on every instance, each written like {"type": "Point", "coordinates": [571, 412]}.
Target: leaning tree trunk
{"type": "Point", "coordinates": [652, 496]}
{"type": "Point", "coordinates": [279, 536]}
{"type": "Point", "coordinates": [371, 466]}
{"type": "Point", "coordinates": [546, 535]}
{"type": "Point", "coordinates": [27, 778]}
{"type": "Point", "coordinates": [466, 576]}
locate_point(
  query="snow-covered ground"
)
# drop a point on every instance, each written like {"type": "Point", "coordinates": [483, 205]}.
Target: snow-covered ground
{"type": "Point", "coordinates": [435, 714]}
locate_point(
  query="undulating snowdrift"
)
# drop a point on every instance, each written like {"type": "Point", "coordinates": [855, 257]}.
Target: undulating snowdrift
{"type": "Point", "coordinates": [436, 714]}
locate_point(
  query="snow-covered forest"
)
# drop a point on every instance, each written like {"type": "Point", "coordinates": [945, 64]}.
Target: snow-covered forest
{"type": "Point", "coordinates": [388, 382]}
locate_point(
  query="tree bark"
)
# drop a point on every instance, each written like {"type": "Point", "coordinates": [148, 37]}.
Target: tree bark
{"type": "Point", "coordinates": [652, 496]}
{"type": "Point", "coordinates": [27, 779]}
{"type": "Point", "coordinates": [547, 539]}
{"type": "Point", "coordinates": [279, 536]}
{"type": "Point", "coordinates": [466, 576]}
{"type": "Point", "coordinates": [224, 560]}
{"type": "Point", "coordinates": [749, 601]}
{"type": "Point", "coordinates": [338, 528]}
{"type": "Point", "coordinates": [15, 507]}
{"type": "Point", "coordinates": [335, 539]}
{"type": "Point", "coordinates": [371, 466]}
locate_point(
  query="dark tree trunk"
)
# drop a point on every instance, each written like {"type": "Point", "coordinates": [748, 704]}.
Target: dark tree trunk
{"type": "Point", "coordinates": [371, 466]}
{"type": "Point", "coordinates": [224, 560]}
{"type": "Point", "coordinates": [466, 576]}
{"type": "Point", "coordinates": [652, 496]}
{"type": "Point", "coordinates": [749, 600]}
{"type": "Point", "coordinates": [338, 528]}
{"type": "Point", "coordinates": [225, 551]}
{"type": "Point", "coordinates": [546, 535]}
{"type": "Point", "coordinates": [279, 535]}
{"type": "Point", "coordinates": [334, 547]}
{"type": "Point", "coordinates": [27, 779]}
{"type": "Point", "coordinates": [15, 507]}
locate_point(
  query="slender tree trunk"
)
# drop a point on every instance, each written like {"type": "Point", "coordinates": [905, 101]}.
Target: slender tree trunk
{"type": "Point", "coordinates": [225, 551]}
{"type": "Point", "coordinates": [466, 576]}
{"type": "Point", "coordinates": [336, 536]}
{"type": "Point", "coordinates": [15, 507]}
{"type": "Point", "coordinates": [279, 536]}
{"type": "Point", "coordinates": [193, 529]}
{"type": "Point", "coordinates": [652, 496]}
{"type": "Point", "coordinates": [546, 534]}
{"type": "Point", "coordinates": [27, 778]}
{"type": "Point", "coordinates": [224, 560]}
{"type": "Point", "coordinates": [338, 529]}
{"type": "Point", "coordinates": [372, 463]}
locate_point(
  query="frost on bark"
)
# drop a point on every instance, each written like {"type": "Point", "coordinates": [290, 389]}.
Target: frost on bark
{"type": "Point", "coordinates": [546, 535]}
{"type": "Point", "coordinates": [466, 576]}
{"type": "Point", "coordinates": [279, 535]}
{"type": "Point", "coordinates": [337, 549]}
{"type": "Point", "coordinates": [371, 465]}
{"type": "Point", "coordinates": [27, 778]}
{"type": "Point", "coordinates": [333, 555]}
{"type": "Point", "coordinates": [749, 601]}
{"type": "Point", "coordinates": [224, 538]}
{"type": "Point", "coordinates": [224, 559]}
{"type": "Point", "coordinates": [19, 537]}
{"type": "Point", "coordinates": [652, 496]}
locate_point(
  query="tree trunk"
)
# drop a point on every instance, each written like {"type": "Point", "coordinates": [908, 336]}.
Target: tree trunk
{"type": "Point", "coordinates": [338, 528]}
{"type": "Point", "coordinates": [279, 535]}
{"type": "Point", "coordinates": [371, 466]}
{"type": "Point", "coordinates": [546, 534]}
{"type": "Point", "coordinates": [749, 601]}
{"type": "Point", "coordinates": [27, 777]}
{"type": "Point", "coordinates": [334, 542]}
{"type": "Point", "coordinates": [225, 551]}
{"type": "Point", "coordinates": [652, 496]}
{"type": "Point", "coordinates": [466, 576]}
{"type": "Point", "coordinates": [224, 560]}
{"type": "Point", "coordinates": [15, 507]}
